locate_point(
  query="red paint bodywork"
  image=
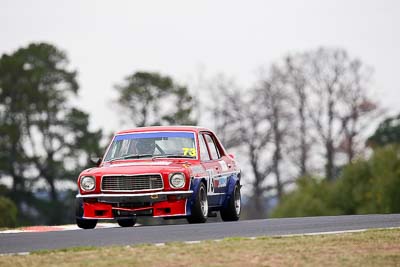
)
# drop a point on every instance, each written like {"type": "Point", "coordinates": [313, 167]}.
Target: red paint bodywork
{"type": "Point", "coordinates": [166, 202]}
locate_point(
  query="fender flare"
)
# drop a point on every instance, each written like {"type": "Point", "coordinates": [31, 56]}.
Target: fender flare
{"type": "Point", "coordinates": [194, 186]}
{"type": "Point", "coordinates": [233, 180]}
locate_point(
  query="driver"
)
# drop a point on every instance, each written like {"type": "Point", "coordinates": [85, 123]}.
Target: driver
{"type": "Point", "coordinates": [146, 146]}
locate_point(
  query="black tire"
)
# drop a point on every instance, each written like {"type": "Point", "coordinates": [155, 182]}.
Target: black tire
{"type": "Point", "coordinates": [82, 223]}
{"type": "Point", "coordinates": [86, 224]}
{"type": "Point", "coordinates": [78, 208]}
{"type": "Point", "coordinates": [200, 207]}
{"type": "Point", "coordinates": [233, 209]}
{"type": "Point", "coordinates": [126, 222]}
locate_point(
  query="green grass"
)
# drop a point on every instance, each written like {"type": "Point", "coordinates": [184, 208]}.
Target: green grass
{"type": "Point", "coordinates": [370, 248]}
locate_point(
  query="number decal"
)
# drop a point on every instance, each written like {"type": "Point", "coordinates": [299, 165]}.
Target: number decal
{"type": "Point", "coordinates": [189, 151]}
{"type": "Point", "coordinates": [210, 181]}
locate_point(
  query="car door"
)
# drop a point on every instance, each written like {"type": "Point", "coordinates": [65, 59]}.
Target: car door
{"type": "Point", "coordinates": [216, 184]}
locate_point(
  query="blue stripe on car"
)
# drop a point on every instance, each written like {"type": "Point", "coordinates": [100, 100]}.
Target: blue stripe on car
{"type": "Point", "coordinates": [153, 135]}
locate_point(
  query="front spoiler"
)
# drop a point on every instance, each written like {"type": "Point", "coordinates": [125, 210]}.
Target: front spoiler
{"type": "Point", "coordinates": [145, 197]}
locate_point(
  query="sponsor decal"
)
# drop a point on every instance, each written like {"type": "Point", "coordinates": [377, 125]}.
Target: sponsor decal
{"type": "Point", "coordinates": [216, 183]}
{"type": "Point", "coordinates": [210, 181]}
{"type": "Point", "coordinates": [222, 181]}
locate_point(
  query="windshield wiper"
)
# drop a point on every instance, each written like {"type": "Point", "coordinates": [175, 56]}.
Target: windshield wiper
{"type": "Point", "coordinates": [173, 156]}
{"type": "Point", "coordinates": [132, 156]}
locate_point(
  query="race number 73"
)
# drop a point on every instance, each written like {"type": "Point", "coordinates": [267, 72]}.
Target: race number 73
{"type": "Point", "coordinates": [189, 151]}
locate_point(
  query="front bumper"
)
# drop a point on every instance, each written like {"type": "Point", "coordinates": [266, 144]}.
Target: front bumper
{"type": "Point", "coordinates": [110, 206]}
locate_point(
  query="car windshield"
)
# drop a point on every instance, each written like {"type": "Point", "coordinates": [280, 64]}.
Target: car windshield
{"type": "Point", "coordinates": [152, 145]}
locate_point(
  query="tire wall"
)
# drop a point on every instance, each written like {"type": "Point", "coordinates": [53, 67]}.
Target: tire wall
{"type": "Point", "coordinates": [232, 181]}
{"type": "Point", "coordinates": [194, 186]}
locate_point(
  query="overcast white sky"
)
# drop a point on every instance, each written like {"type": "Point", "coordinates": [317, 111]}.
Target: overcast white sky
{"type": "Point", "coordinates": [107, 40]}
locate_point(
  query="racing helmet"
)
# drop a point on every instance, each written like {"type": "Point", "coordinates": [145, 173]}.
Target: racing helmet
{"type": "Point", "coordinates": [146, 146]}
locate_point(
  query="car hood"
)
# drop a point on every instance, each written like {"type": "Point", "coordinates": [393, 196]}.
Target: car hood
{"type": "Point", "coordinates": [137, 167]}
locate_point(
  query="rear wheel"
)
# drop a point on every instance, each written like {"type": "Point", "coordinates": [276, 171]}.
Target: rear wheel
{"type": "Point", "coordinates": [126, 222]}
{"type": "Point", "coordinates": [200, 207]}
{"type": "Point", "coordinates": [86, 224]}
{"type": "Point", "coordinates": [232, 211]}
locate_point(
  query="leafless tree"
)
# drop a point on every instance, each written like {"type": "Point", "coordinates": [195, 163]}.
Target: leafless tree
{"type": "Point", "coordinates": [256, 134]}
{"type": "Point", "coordinates": [274, 104]}
{"type": "Point", "coordinates": [241, 126]}
{"type": "Point", "coordinates": [359, 109]}
{"type": "Point", "coordinates": [324, 70]}
{"type": "Point", "coordinates": [307, 103]}
{"type": "Point", "coordinates": [338, 103]}
{"type": "Point", "coordinates": [225, 104]}
{"type": "Point", "coordinates": [296, 83]}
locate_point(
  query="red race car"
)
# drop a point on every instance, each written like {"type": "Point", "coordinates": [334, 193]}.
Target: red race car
{"type": "Point", "coordinates": [170, 172]}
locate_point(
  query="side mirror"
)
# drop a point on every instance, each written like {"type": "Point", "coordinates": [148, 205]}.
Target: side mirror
{"type": "Point", "coordinates": [231, 156]}
{"type": "Point", "coordinates": [96, 160]}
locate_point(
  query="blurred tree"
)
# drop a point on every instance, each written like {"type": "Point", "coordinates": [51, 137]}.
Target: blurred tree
{"type": "Point", "coordinates": [256, 123]}
{"type": "Point", "coordinates": [335, 90]}
{"type": "Point", "coordinates": [255, 134]}
{"type": "Point", "coordinates": [357, 110]}
{"type": "Point", "coordinates": [274, 101]}
{"type": "Point", "coordinates": [152, 99]}
{"type": "Point", "coordinates": [8, 212]}
{"type": "Point", "coordinates": [47, 137]}
{"type": "Point", "coordinates": [306, 104]}
{"type": "Point", "coordinates": [388, 132]}
{"type": "Point", "coordinates": [365, 187]}
{"type": "Point", "coordinates": [226, 105]}
{"type": "Point", "coordinates": [302, 139]}
{"type": "Point", "coordinates": [325, 69]}
{"type": "Point", "coordinates": [312, 197]}
{"type": "Point", "coordinates": [371, 186]}
{"type": "Point", "coordinates": [241, 126]}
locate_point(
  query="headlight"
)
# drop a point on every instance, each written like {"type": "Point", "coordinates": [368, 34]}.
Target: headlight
{"type": "Point", "coordinates": [88, 183]}
{"type": "Point", "coordinates": [177, 180]}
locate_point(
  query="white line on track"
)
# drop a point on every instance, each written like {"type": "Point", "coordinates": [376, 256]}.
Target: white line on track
{"type": "Point", "coordinates": [290, 235]}
{"type": "Point", "coordinates": [38, 229]}
{"type": "Point", "coordinates": [15, 254]}
{"type": "Point", "coordinates": [251, 238]}
{"type": "Point", "coordinates": [337, 232]}
{"type": "Point", "coordinates": [192, 242]}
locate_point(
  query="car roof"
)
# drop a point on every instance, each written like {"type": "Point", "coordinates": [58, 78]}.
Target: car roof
{"type": "Point", "coordinates": [165, 128]}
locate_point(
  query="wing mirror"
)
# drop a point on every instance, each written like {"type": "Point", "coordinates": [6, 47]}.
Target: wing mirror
{"type": "Point", "coordinates": [96, 161]}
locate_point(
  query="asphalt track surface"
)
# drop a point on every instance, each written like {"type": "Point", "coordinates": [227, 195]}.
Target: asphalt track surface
{"type": "Point", "coordinates": [26, 242]}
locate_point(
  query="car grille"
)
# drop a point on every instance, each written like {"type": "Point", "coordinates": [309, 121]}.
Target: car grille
{"type": "Point", "coordinates": [132, 183]}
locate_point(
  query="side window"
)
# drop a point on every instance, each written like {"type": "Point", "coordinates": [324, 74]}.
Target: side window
{"type": "Point", "coordinates": [213, 149]}
{"type": "Point", "coordinates": [203, 149]}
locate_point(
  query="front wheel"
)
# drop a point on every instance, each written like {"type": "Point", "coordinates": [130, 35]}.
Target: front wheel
{"type": "Point", "coordinates": [232, 210]}
{"type": "Point", "coordinates": [200, 207]}
{"type": "Point", "coordinates": [82, 223]}
{"type": "Point", "coordinates": [126, 222]}
{"type": "Point", "coordinates": [86, 224]}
